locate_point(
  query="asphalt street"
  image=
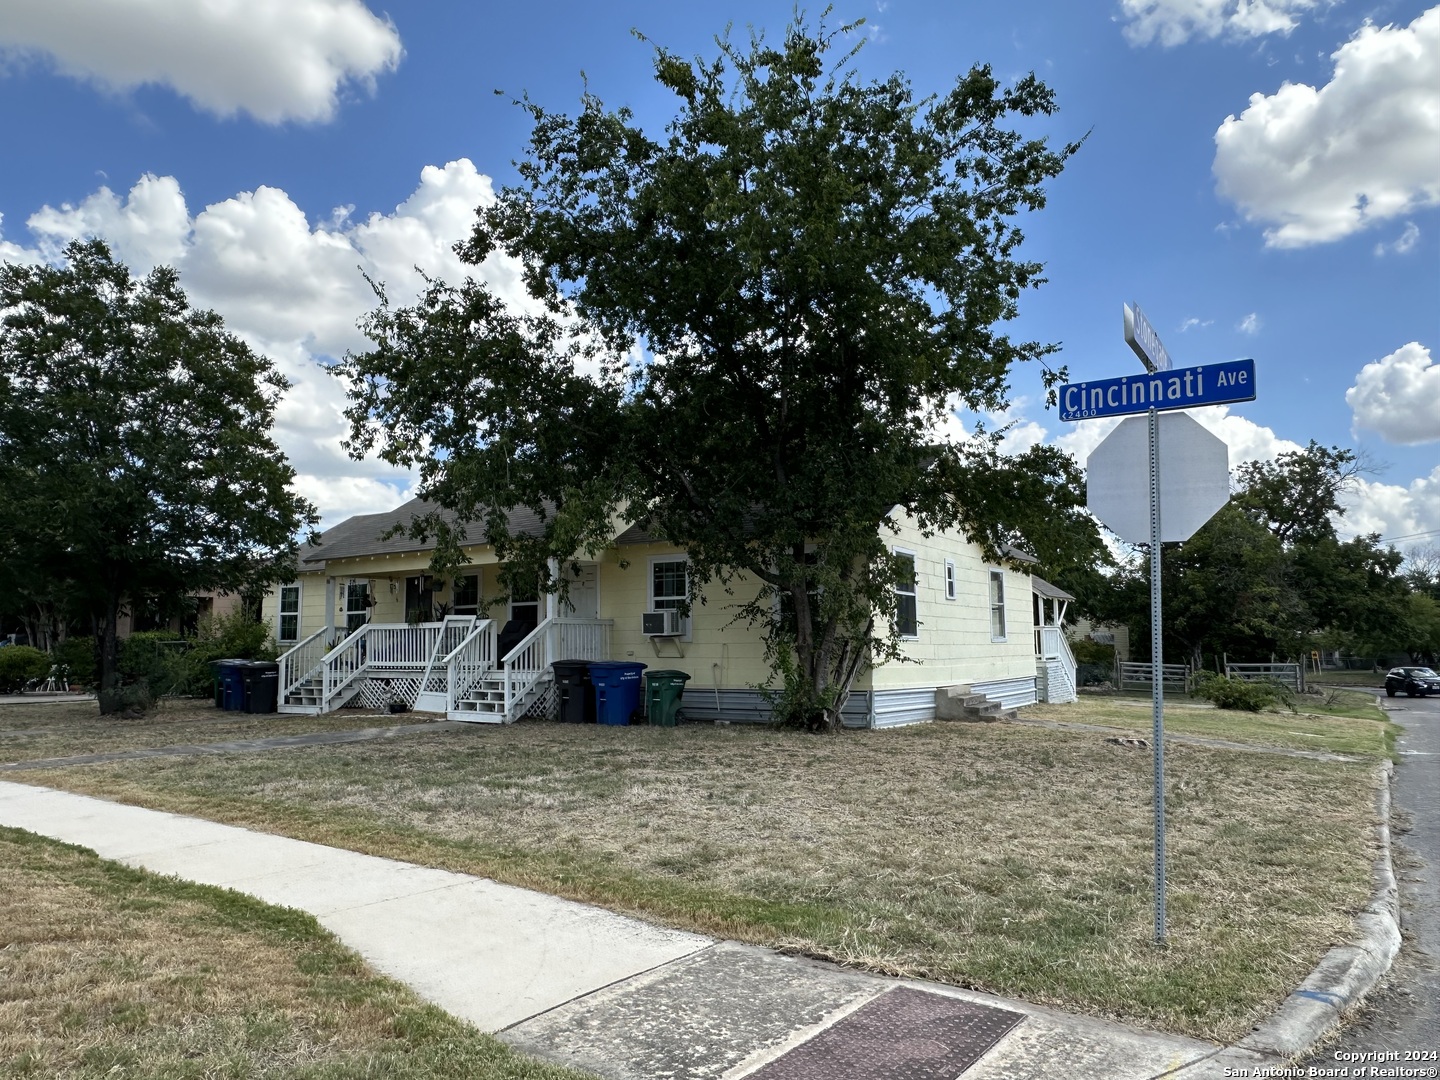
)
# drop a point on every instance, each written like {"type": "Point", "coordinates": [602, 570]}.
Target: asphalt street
{"type": "Point", "coordinates": [1403, 1015]}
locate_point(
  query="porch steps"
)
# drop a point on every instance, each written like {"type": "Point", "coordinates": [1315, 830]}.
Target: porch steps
{"type": "Point", "coordinates": [961, 703]}
{"type": "Point", "coordinates": [485, 703]}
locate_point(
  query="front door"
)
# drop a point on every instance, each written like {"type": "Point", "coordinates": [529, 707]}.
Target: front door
{"type": "Point", "coordinates": [584, 600]}
{"type": "Point", "coordinates": [418, 604]}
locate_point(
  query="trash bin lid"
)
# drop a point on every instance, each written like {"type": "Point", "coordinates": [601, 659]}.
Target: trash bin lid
{"type": "Point", "coordinates": [616, 665]}
{"type": "Point", "coordinates": [665, 673]}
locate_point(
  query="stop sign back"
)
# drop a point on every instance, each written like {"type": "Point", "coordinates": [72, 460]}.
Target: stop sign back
{"type": "Point", "coordinates": [1194, 478]}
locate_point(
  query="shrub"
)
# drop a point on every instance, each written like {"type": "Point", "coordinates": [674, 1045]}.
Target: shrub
{"type": "Point", "coordinates": [19, 665]}
{"type": "Point", "coordinates": [226, 637]}
{"type": "Point", "coordinates": [76, 656]}
{"type": "Point", "coordinates": [1241, 694]}
{"type": "Point", "coordinates": [151, 659]}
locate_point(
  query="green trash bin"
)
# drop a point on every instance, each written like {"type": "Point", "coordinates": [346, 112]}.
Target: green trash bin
{"type": "Point", "coordinates": [663, 690]}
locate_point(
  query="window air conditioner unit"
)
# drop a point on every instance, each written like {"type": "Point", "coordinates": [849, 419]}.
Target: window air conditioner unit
{"type": "Point", "coordinates": [666, 623]}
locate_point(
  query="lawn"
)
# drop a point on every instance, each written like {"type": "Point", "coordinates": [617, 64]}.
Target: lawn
{"type": "Point", "coordinates": [1339, 721]}
{"type": "Point", "coordinates": [31, 732]}
{"type": "Point", "coordinates": [1004, 857]}
{"type": "Point", "coordinates": [116, 973]}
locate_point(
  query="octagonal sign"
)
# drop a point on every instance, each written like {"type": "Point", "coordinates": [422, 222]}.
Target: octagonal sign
{"type": "Point", "coordinates": [1194, 478]}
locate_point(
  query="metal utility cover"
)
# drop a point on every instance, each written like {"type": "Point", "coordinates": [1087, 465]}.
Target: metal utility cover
{"type": "Point", "coordinates": [1194, 478]}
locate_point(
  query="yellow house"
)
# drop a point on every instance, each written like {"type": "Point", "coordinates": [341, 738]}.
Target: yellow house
{"type": "Point", "coordinates": [365, 623]}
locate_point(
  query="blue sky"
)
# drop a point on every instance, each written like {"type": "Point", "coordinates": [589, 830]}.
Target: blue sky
{"type": "Point", "coordinates": [1261, 177]}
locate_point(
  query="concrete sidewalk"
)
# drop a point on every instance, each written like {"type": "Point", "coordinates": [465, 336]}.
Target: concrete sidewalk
{"type": "Point", "coordinates": [629, 1001]}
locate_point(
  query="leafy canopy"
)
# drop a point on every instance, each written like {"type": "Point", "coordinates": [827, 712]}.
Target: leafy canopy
{"type": "Point", "coordinates": [742, 335]}
{"type": "Point", "coordinates": [135, 451]}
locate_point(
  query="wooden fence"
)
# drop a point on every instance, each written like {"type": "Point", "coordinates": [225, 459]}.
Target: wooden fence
{"type": "Point", "coordinates": [1174, 678]}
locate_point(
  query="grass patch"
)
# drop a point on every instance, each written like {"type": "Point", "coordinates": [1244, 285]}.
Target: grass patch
{"type": "Point", "coordinates": [1341, 722]}
{"type": "Point", "coordinates": [113, 972]}
{"type": "Point", "coordinates": [1007, 858]}
{"type": "Point", "coordinates": [73, 728]}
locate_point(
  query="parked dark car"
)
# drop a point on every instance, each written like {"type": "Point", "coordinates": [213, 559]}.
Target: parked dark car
{"type": "Point", "coordinates": [1414, 681]}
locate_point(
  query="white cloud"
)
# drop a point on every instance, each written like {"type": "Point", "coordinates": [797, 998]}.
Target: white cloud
{"type": "Point", "coordinates": [293, 291]}
{"type": "Point", "coordinates": [1402, 244]}
{"type": "Point", "coordinates": [1250, 324]}
{"type": "Point", "coordinates": [1193, 323]}
{"type": "Point", "coordinates": [277, 60]}
{"type": "Point", "coordinates": [1318, 165]}
{"type": "Point", "coordinates": [1392, 510]}
{"type": "Point", "coordinates": [1173, 22]}
{"type": "Point", "coordinates": [1397, 396]}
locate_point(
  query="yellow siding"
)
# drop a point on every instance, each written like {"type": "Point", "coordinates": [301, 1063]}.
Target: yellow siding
{"type": "Point", "coordinates": [954, 643]}
{"type": "Point", "coordinates": [720, 652]}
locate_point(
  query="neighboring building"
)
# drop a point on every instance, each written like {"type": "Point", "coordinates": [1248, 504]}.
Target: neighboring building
{"type": "Point", "coordinates": [364, 620]}
{"type": "Point", "coordinates": [207, 605]}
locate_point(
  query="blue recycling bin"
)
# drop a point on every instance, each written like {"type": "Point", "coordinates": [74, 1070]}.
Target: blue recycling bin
{"type": "Point", "coordinates": [617, 690]}
{"type": "Point", "coordinates": [232, 683]}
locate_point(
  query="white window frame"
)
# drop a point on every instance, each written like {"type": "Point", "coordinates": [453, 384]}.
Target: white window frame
{"type": "Point", "coordinates": [535, 603]}
{"type": "Point", "coordinates": [913, 592]}
{"type": "Point", "coordinates": [997, 608]}
{"type": "Point", "coordinates": [281, 614]}
{"type": "Point", "coordinates": [455, 594]}
{"type": "Point", "coordinates": [952, 582]}
{"type": "Point", "coordinates": [668, 600]}
{"type": "Point", "coordinates": [363, 610]}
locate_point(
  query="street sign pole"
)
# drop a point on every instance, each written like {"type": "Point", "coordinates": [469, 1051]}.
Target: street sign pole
{"type": "Point", "coordinates": [1157, 678]}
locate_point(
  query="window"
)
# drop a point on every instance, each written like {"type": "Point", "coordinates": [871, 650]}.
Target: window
{"type": "Point", "coordinates": [357, 605]}
{"type": "Point", "coordinates": [289, 629]}
{"type": "Point", "coordinates": [950, 586]}
{"type": "Point", "coordinates": [525, 605]}
{"type": "Point", "coordinates": [467, 595]}
{"type": "Point", "coordinates": [668, 580]}
{"type": "Point", "coordinates": [907, 620]}
{"type": "Point", "coordinates": [997, 605]}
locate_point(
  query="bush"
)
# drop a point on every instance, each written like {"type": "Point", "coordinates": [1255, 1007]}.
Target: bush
{"type": "Point", "coordinates": [150, 659]}
{"type": "Point", "coordinates": [1241, 694]}
{"type": "Point", "coordinates": [227, 637]}
{"type": "Point", "coordinates": [76, 657]}
{"type": "Point", "coordinates": [20, 665]}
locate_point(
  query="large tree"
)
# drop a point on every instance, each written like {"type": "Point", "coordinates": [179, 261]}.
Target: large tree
{"type": "Point", "coordinates": [136, 462]}
{"type": "Point", "coordinates": [744, 336]}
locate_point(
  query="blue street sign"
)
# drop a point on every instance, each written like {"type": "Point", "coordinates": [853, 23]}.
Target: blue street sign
{"type": "Point", "coordinates": [1179, 388]}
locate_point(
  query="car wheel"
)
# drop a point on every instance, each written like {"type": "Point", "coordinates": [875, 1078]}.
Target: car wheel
{"type": "Point", "coordinates": [1389, 692]}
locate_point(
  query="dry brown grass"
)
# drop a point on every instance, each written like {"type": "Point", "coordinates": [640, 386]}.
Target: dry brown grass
{"type": "Point", "coordinates": [1365, 732]}
{"type": "Point", "coordinates": [110, 972]}
{"type": "Point", "coordinates": [1004, 857]}
{"type": "Point", "coordinates": [33, 732]}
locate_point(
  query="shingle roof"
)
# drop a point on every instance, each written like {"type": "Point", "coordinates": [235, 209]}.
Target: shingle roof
{"type": "Point", "coordinates": [361, 535]}
{"type": "Point", "coordinates": [1044, 588]}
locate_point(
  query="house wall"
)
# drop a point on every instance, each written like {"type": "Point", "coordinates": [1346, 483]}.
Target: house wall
{"type": "Point", "coordinates": [954, 643]}
{"type": "Point", "coordinates": [312, 607]}
{"type": "Point", "coordinates": [720, 653]}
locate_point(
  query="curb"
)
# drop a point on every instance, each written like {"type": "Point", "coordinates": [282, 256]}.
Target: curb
{"type": "Point", "coordinates": [1347, 972]}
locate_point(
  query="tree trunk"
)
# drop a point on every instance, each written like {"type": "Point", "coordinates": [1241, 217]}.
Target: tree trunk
{"type": "Point", "coordinates": [107, 659]}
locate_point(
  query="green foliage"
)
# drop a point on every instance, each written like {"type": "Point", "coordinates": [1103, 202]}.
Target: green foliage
{"type": "Point", "coordinates": [1241, 694]}
{"type": "Point", "coordinates": [20, 665]}
{"type": "Point", "coordinates": [225, 637]}
{"type": "Point", "coordinates": [135, 451]}
{"type": "Point", "coordinates": [150, 659]}
{"type": "Point", "coordinates": [823, 263]}
{"type": "Point", "coordinates": [1092, 652]}
{"type": "Point", "coordinates": [76, 655]}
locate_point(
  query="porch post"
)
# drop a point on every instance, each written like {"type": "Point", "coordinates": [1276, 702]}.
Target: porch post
{"type": "Point", "coordinates": [552, 609]}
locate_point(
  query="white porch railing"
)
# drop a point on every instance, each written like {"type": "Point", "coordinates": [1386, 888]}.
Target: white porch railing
{"type": "Point", "coordinates": [1054, 652]}
{"type": "Point", "coordinates": [462, 651]}
{"type": "Point", "coordinates": [581, 639]}
{"type": "Point", "coordinates": [302, 659]}
{"type": "Point", "coordinates": [431, 694]}
{"type": "Point", "coordinates": [469, 662]}
{"type": "Point", "coordinates": [524, 664]}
